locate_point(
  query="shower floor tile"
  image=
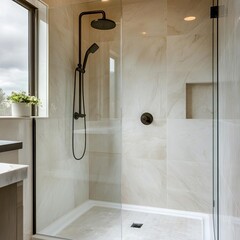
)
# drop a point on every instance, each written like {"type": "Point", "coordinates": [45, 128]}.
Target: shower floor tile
{"type": "Point", "coordinates": [101, 223]}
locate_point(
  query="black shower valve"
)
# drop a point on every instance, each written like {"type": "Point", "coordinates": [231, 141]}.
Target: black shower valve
{"type": "Point", "coordinates": [146, 118]}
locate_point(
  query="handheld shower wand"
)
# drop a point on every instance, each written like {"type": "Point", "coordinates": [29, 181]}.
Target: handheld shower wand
{"type": "Point", "coordinates": [92, 49]}
{"type": "Point", "coordinates": [81, 69]}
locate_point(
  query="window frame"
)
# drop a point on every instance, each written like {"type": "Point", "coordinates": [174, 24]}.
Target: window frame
{"type": "Point", "coordinates": [32, 48]}
{"type": "Point", "coordinates": [38, 56]}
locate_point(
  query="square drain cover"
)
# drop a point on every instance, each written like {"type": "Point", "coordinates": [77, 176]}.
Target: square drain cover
{"type": "Point", "coordinates": [137, 225]}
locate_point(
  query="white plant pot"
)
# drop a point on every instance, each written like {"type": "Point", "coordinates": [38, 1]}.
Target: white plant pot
{"type": "Point", "coordinates": [21, 110]}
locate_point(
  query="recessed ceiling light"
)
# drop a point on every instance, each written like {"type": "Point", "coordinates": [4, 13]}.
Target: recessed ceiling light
{"type": "Point", "coordinates": [144, 33]}
{"type": "Point", "coordinates": [190, 18]}
{"type": "Point", "coordinates": [105, 0]}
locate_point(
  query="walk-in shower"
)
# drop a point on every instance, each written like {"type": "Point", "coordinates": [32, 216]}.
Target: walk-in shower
{"type": "Point", "coordinates": [136, 180]}
{"type": "Point", "coordinates": [100, 24]}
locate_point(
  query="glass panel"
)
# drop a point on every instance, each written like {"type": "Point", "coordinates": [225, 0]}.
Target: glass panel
{"type": "Point", "coordinates": [13, 51]}
{"type": "Point", "coordinates": [167, 71]}
{"type": "Point", "coordinates": [215, 130]}
{"type": "Point", "coordinates": [81, 199]}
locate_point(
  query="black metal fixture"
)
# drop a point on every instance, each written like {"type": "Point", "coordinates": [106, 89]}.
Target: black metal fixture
{"type": "Point", "coordinates": [100, 24]}
{"type": "Point", "coordinates": [146, 118]}
{"type": "Point", "coordinates": [137, 225]}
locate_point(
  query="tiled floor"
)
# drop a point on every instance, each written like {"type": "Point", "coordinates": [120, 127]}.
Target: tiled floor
{"type": "Point", "coordinates": [101, 223]}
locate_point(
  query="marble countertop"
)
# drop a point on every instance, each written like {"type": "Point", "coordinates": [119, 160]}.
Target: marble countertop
{"type": "Point", "coordinates": [10, 145]}
{"type": "Point", "coordinates": [12, 173]}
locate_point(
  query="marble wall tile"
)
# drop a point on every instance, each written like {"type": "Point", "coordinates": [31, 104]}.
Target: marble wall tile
{"type": "Point", "coordinates": [106, 143]}
{"type": "Point", "coordinates": [144, 182]}
{"type": "Point", "coordinates": [189, 50]}
{"type": "Point", "coordinates": [105, 177]}
{"type": "Point", "coordinates": [229, 160]}
{"type": "Point", "coordinates": [229, 212]}
{"type": "Point", "coordinates": [141, 16]}
{"type": "Point", "coordinates": [144, 59]}
{"type": "Point", "coordinates": [176, 95]}
{"type": "Point", "coordinates": [59, 176]}
{"type": "Point", "coordinates": [185, 67]}
{"type": "Point", "coordinates": [60, 88]}
{"type": "Point", "coordinates": [61, 36]}
{"type": "Point", "coordinates": [145, 142]}
{"type": "Point", "coordinates": [178, 10]}
{"type": "Point", "coordinates": [188, 201]}
{"type": "Point", "coordinates": [144, 77]}
{"type": "Point", "coordinates": [190, 140]}
{"type": "Point", "coordinates": [180, 51]}
{"type": "Point", "coordinates": [190, 176]}
{"type": "Point", "coordinates": [229, 113]}
{"type": "Point", "coordinates": [190, 181]}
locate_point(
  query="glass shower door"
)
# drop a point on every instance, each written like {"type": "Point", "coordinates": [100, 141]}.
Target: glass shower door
{"type": "Point", "coordinates": [80, 199]}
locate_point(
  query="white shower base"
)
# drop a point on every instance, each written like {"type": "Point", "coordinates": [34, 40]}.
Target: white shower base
{"type": "Point", "coordinates": [96, 220]}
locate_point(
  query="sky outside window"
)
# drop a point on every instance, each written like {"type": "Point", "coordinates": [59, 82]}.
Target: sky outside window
{"type": "Point", "coordinates": [13, 47]}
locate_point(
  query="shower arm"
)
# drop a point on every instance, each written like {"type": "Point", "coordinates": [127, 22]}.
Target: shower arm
{"type": "Point", "coordinates": [80, 32]}
{"type": "Point", "coordinates": [80, 67]}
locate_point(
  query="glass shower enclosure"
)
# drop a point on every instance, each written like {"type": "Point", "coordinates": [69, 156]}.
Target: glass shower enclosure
{"type": "Point", "coordinates": [135, 181]}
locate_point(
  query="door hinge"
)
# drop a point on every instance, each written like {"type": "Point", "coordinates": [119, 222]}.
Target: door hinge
{"type": "Point", "coordinates": [214, 12]}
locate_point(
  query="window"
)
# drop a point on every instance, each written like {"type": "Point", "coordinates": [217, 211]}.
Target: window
{"type": "Point", "coordinates": [114, 86]}
{"type": "Point", "coordinates": [19, 53]}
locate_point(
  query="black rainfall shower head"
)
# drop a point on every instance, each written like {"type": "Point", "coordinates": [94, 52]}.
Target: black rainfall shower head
{"type": "Point", "coordinates": [92, 49]}
{"type": "Point", "coordinates": [103, 24]}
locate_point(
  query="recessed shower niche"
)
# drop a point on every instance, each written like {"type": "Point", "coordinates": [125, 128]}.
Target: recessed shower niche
{"type": "Point", "coordinates": [199, 100]}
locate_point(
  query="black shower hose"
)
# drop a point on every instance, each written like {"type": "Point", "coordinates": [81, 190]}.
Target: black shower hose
{"type": "Point", "coordinates": [81, 95]}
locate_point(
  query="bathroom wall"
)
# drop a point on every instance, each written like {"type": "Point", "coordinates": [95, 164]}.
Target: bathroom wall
{"type": "Point", "coordinates": [167, 164]}
{"type": "Point", "coordinates": [229, 114]}
{"type": "Point", "coordinates": [62, 182]}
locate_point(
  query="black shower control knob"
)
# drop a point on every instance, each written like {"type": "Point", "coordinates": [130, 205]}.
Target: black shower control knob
{"type": "Point", "coordinates": [146, 118]}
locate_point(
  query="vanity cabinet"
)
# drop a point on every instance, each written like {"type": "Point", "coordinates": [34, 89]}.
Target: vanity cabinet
{"type": "Point", "coordinates": [11, 193]}
{"type": "Point", "coordinates": [11, 212]}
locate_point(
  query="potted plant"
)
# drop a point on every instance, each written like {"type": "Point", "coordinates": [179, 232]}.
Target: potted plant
{"type": "Point", "coordinates": [21, 103]}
